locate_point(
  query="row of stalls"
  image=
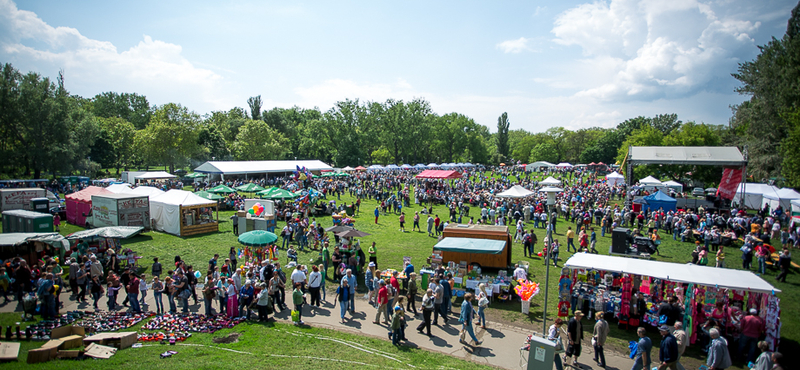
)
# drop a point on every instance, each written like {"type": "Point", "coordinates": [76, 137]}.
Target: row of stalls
{"type": "Point", "coordinates": [757, 196]}
{"type": "Point", "coordinates": [597, 283]}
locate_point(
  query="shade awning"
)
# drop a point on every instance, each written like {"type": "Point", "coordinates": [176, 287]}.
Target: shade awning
{"type": "Point", "coordinates": [439, 174]}
{"type": "Point", "coordinates": [688, 273]}
{"type": "Point", "coordinates": [120, 232]}
{"type": "Point", "coordinates": [692, 155]}
{"type": "Point", "coordinates": [155, 176]}
{"type": "Point", "coordinates": [470, 245]}
{"type": "Point", "coordinates": [515, 191]}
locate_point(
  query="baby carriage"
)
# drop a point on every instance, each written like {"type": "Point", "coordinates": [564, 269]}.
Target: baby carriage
{"type": "Point", "coordinates": [29, 303]}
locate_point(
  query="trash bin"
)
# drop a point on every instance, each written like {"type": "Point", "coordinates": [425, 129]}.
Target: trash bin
{"type": "Point", "coordinates": [40, 205]}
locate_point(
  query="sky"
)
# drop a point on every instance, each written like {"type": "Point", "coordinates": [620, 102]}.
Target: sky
{"type": "Point", "coordinates": [565, 63]}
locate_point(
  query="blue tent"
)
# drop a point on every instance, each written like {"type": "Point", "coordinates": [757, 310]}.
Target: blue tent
{"type": "Point", "coordinates": [659, 200]}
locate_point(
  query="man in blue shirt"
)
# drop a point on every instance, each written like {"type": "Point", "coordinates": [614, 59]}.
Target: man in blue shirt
{"type": "Point", "coordinates": [668, 353]}
{"type": "Point", "coordinates": [642, 359]}
{"type": "Point", "coordinates": [351, 283]}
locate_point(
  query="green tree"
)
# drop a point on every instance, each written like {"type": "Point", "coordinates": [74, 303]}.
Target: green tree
{"type": "Point", "coordinates": [213, 146]}
{"type": "Point", "coordinates": [118, 134]}
{"type": "Point", "coordinates": [382, 156]}
{"type": "Point", "coordinates": [227, 124]}
{"type": "Point", "coordinates": [171, 138]}
{"type": "Point", "coordinates": [254, 102]}
{"type": "Point", "coordinates": [791, 156]}
{"type": "Point", "coordinates": [502, 135]}
{"type": "Point", "coordinates": [544, 151]}
{"type": "Point", "coordinates": [258, 141]}
{"type": "Point", "coordinates": [604, 149]}
{"type": "Point", "coordinates": [132, 107]}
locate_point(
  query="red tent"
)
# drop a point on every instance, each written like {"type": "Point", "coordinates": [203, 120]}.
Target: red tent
{"type": "Point", "coordinates": [360, 168]}
{"type": "Point", "coordinates": [79, 204]}
{"type": "Point", "coordinates": [439, 174]}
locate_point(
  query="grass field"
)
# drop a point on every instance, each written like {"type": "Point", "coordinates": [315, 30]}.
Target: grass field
{"type": "Point", "coordinates": [393, 245]}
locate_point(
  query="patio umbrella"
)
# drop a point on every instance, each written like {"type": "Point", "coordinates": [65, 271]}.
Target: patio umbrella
{"type": "Point", "coordinates": [339, 229]}
{"type": "Point", "coordinates": [257, 238]}
{"type": "Point", "coordinates": [353, 233]}
{"type": "Point", "coordinates": [249, 188]}
{"type": "Point", "coordinates": [276, 193]}
{"type": "Point", "coordinates": [209, 196]}
{"type": "Point", "coordinates": [222, 189]}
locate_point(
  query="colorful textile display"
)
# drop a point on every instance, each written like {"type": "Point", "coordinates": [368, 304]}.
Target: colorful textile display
{"type": "Point", "coordinates": [102, 321]}
{"type": "Point", "coordinates": [176, 323]}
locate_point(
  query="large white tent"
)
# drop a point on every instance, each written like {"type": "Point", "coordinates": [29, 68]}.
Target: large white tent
{"type": "Point", "coordinates": [614, 179]}
{"type": "Point", "coordinates": [782, 197]}
{"type": "Point", "coordinates": [650, 181]}
{"type": "Point", "coordinates": [158, 175]}
{"type": "Point", "coordinates": [515, 191]}
{"type": "Point", "coordinates": [119, 188]}
{"type": "Point", "coordinates": [146, 190]}
{"type": "Point", "coordinates": [550, 181]}
{"type": "Point", "coordinates": [167, 211]}
{"type": "Point", "coordinates": [751, 195]}
{"type": "Point", "coordinates": [564, 165]}
{"type": "Point", "coordinates": [259, 167]}
{"type": "Point", "coordinates": [688, 273]}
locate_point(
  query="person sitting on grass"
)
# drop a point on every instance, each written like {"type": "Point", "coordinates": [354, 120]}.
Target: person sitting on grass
{"type": "Point", "coordinates": [291, 254]}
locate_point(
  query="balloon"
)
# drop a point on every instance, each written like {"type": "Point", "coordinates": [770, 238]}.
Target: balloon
{"type": "Point", "coordinates": [540, 254]}
{"type": "Point", "coordinates": [258, 204]}
{"type": "Point", "coordinates": [251, 211]}
{"type": "Point", "coordinates": [197, 274]}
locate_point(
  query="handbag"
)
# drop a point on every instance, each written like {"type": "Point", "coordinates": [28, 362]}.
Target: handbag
{"type": "Point", "coordinates": [483, 302]}
{"type": "Point", "coordinates": [295, 315]}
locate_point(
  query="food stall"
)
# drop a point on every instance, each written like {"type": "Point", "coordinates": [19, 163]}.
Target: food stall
{"type": "Point", "coordinates": [183, 213]}
{"type": "Point", "coordinates": [484, 245]}
{"type": "Point", "coordinates": [120, 210]}
{"type": "Point", "coordinates": [32, 246]}
{"type": "Point", "coordinates": [597, 283]}
{"type": "Point", "coordinates": [79, 204]}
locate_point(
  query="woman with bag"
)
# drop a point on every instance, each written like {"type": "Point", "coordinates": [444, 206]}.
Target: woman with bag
{"type": "Point", "coordinates": [343, 297]}
{"type": "Point", "coordinates": [466, 320]}
{"type": "Point", "coordinates": [245, 298]}
{"type": "Point", "coordinates": [554, 335]}
{"type": "Point", "coordinates": [263, 303]}
{"type": "Point", "coordinates": [483, 302]}
{"type": "Point", "coordinates": [314, 283]}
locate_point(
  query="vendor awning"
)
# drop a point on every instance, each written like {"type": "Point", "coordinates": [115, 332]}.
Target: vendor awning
{"type": "Point", "coordinates": [158, 175]}
{"type": "Point", "coordinates": [119, 232]}
{"type": "Point", "coordinates": [53, 239]}
{"type": "Point", "coordinates": [470, 245]}
{"type": "Point", "coordinates": [439, 174]}
{"type": "Point", "coordinates": [688, 273]}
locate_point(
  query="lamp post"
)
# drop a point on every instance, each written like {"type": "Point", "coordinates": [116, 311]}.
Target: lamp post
{"type": "Point", "coordinates": [551, 202]}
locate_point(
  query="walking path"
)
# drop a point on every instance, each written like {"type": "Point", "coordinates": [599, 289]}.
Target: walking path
{"type": "Point", "coordinates": [500, 348]}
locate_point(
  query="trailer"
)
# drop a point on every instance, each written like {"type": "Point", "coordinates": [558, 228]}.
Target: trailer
{"type": "Point", "coordinates": [130, 176]}
{"type": "Point", "coordinates": [484, 245]}
{"type": "Point", "coordinates": [19, 198]}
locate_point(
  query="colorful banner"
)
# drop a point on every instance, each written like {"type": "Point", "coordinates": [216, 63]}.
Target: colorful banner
{"type": "Point", "coordinates": [731, 177]}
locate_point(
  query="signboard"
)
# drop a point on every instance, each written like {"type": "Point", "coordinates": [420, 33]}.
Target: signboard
{"type": "Point", "coordinates": [104, 212]}
{"type": "Point", "coordinates": [731, 177]}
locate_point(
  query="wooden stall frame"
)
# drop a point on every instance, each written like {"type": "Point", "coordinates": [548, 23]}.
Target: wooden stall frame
{"type": "Point", "coordinates": [199, 229]}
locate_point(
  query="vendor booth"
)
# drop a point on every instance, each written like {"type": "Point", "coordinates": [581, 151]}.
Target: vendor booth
{"type": "Point", "coordinates": [98, 241]}
{"type": "Point", "coordinates": [657, 201]}
{"type": "Point", "coordinates": [614, 179]}
{"type": "Point", "coordinates": [484, 245]}
{"type": "Point", "coordinates": [32, 246]}
{"type": "Point", "coordinates": [120, 210]}
{"type": "Point", "coordinates": [79, 204]}
{"type": "Point", "coordinates": [782, 198]}
{"type": "Point", "coordinates": [597, 283]}
{"type": "Point", "coordinates": [183, 213]}
{"type": "Point", "coordinates": [439, 174]}
{"type": "Point", "coordinates": [752, 195]}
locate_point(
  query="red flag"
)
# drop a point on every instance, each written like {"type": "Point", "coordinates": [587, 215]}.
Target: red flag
{"type": "Point", "coordinates": [731, 177]}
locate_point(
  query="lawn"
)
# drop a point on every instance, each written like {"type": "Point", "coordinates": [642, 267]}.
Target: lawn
{"type": "Point", "coordinates": [393, 245]}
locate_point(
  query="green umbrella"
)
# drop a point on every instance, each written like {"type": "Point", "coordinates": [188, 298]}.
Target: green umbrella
{"type": "Point", "coordinates": [276, 193]}
{"type": "Point", "coordinates": [222, 189]}
{"type": "Point", "coordinates": [249, 188]}
{"type": "Point", "coordinates": [267, 191]}
{"type": "Point", "coordinates": [196, 175]}
{"type": "Point", "coordinates": [257, 238]}
{"type": "Point", "coordinates": [209, 196]}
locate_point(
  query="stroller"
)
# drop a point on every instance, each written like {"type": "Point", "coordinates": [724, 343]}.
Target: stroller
{"type": "Point", "coordinates": [29, 304]}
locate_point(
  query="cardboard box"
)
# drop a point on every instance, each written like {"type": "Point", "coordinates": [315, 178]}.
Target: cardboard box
{"type": "Point", "coordinates": [9, 351]}
{"type": "Point", "coordinates": [72, 336]}
{"type": "Point", "coordinates": [44, 353]}
{"type": "Point", "coordinates": [119, 340]}
{"type": "Point", "coordinates": [241, 214]}
{"type": "Point", "coordinates": [97, 351]}
{"type": "Point", "coordinates": [69, 354]}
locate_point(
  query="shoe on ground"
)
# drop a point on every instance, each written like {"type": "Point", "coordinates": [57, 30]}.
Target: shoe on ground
{"type": "Point", "coordinates": [478, 343]}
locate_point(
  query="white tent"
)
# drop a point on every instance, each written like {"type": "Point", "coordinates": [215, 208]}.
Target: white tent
{"type": "Point", "coordinates": [348, 169]}
{"type": "Point", "coordinates": [515, 191]}
{"type": "Point", "coordinates": [564, 165]}
{"type": "Point", "coordinates": [795, 207]}
{"type": "Point", "coordinates": [536, 166]}
{"type": "Point", "coordinates": [751, 195]}
{"type": "Point", "coordinates": [688, 273]}
{"type": "Point", "coordinates": [259, 167]}
{"type": "Point", "coordinates": [614, 179]}
{"type": "Point", "coordinates": [782, 197]}
{"type": "Point", "coordinates": [146, 190]}
{"type": "Point", "coordinates": [166, 210]}
{"type": "Point", "coordinates": [674, 185]}
{"type": "Point", "coordinates": [119, 188]}
{"type": "Point", "coordinates": [650, 181]}
{"type": "Point", "coordinates": [155, 176]}
{"type": "Point", "coordinates": [550, 181]}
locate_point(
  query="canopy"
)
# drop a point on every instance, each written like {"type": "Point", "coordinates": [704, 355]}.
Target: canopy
{"type": "Point", "coordinates": [782, 198]}
{"type": "Point", "coordinates": [118, 232]}
{"type": "Point", "coordinates": [257, 238]}
{"type": "Point", "coordinates": [420, 165]}
{"type": "Point", "coordinates": [688, 273]}
{"type": "Point", "coordinates": [259, 167]}
{"type": "Point", "coordinates": [348, 168]}
{"type": "Point", "coordinates": [660, 200]}
{"type": "Point", "coordinates": [406, 166]}
{"type": "Point", "coordinates": [693, 155]}
{"type": "Point", "coordinates": [515, 191]}
{"type": "Point", "coordinates": [53, 239]}
{"type": "Point", "coordinates": [195, 175]}
{"type": "Point", "coordinates": [360, 168]}
{"type": "Point", "coordinates": [85, 195]}
{"type": "Point", "coordinates": [439, 174]}
{"type": "Point", "coordinates": [795, 207]}
{"type": "Point", "coordinates": [550, 181]}
{"type": "Point", "coordinates": [155, 176]}
{"type": "Point", "coordinates": [209, 196]}
{"type": "Point", "coordinates": [392, 167]}
{"type": "Point", "coordinates": [79, 204]}
{"type": "Point", "coordinates": [119, 188]}
{"type": "Point", "coordinates": [432, 165]}
{"type": "Point", "coordinates": [165, 209]}
{"type": "Point", "coordinates": [222, 189]}
{"type": "Point", "coordinates": [564, 165]}
{"type": "Point", "coordinates": [146, 190]}
{"type": "Point", "coordinates": [614, 178]}
{"type": "Point", "coordinates": [650, 181]}
{"type": "Point", "coordinates": [375, 167]}
{"type": "Point", "coordinates": [470, 245]}
{"type": "Point", "coordinates": [182, 198]}
{"type": "Point", "coordinates": [249, 188]}
{"type": "Point", "coordinates": [276, 193]}
{"type": "Point", "coordinates": [751, 195]}
{"type": "Point", "coordinates": [673, 185]}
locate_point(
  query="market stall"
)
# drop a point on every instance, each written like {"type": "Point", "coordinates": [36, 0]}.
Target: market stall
{"type": "Point", "coordinates": [79, 204]}
{"type": "Point", "coordinates": [153, 176]}
{"type": "Point", "coordinates": [658, 200]}
{"type": "Point", "coordinates": [592, 283]}
{"type": "Point", "coordinates": [120, 210]}
{"type": "Point", "coordinates": [101, 239]}
{"type": "Point", "coordinates": [32, 246]}
{"type": "Point", "coordinates": [485, 245]}
{"type": "Point", "coordinates": [439, 174]}
{"type": "Point", "coordinates": [183, 213]}
{"type": "Point", "coordinates": [614, 179]}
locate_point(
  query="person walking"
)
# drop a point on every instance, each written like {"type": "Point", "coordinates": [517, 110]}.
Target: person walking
{"type": "Point", "coordinates": [402, 220]}
{"type": "Point", "coordinates": [438, 293]}
{"type": "Point", "coordinates": [427, 311]}
{"type": "Point", "coordinates": [575, 331]}
{"type": "Point", "coordinates": [351, 283]}
{"type": "Point", "coordinates": [642, 359]}
{"type": "Point", "coordinates": [377, 213]}
{"type": "Point", "coordinates": [343, 297]}
{"type": "Point", "coordinates": [668, 351]}
{"type": "Point", "coordinates": [483, 302]}
{"type": "Point", "coordinates": [298, 299]}
{"type": "Point", "coordinates": [430, 225]}
{"type": "Point", "coordinates": [599, 336]}
{"type": "Point", "coordinates": [416, 222]}
{"type": "Point", "coordinates": [383, 302]}
{"type": "Point", "coordinates": [314, 284]}
{"type": "Point", "coordinates": [411, 306]}
{"type": "Point", "coordinates": [785, 261]}
{"type": "Point", "coordinates": [571, 240]}
{"type": "Point", "coordinates": [466, 320]}
{"type": "Point", "coordinates": [718, 356]}
{"type": "Point", "coordinates": [682, 339]}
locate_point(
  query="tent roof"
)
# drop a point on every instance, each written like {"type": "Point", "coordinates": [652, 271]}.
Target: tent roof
{"type": "Point", "coordinates": [787, 193]}
{"type": "Point", "coordinates": [85, 195]}
{"type": "Point", "coordinates": [182, 198]}
{"type": "Point", "coordinates": [119, 188]}
{"type": "Point", "coordinates": [155, 176]}
{"type": "Point", "coordinates": [119, 232]}
{"type": "Point", "coordinates": [53, 239]}
{"type": "Point", "coordinates": [564, 164]}
{"type": "Point", "coordinates": [696, 155]}
{"type": "Point", "coordinates": [470, 245]}
{"type": "Point", "coordinates": [515, 191]}
{"type": "Point", "coordinates": [763, 189]}
{"type": "Point", "coordinates": [550, 181]}
{"type": "Point", "coordinates": [688, 273]}
{"type": "Point", "coordinates": [439, 174]}
{"type": "Point", "coordinates": [659, 196]}
{"type": "Point", "coordinates": [614, 175]}
{"type": "Point", "coordinates": [672, 183]}
{"type": "Point", "coordinates": [541, 164]}
{"type": "Point", "coordinates": [243, 167]}
{"type": "Point", "coordinates": [120, 195]}
{"type": "Point", "coordinates": [146, 190]}
{"type": "Point", "coordinates": [650, 180]}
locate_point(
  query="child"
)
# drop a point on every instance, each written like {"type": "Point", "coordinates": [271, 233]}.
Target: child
{"type": "Point", "coordinates": [158, 290]}
{"type": "Point", "coordinates": [143, 288]}
{"type": "Point", "coordinates": [397, 322]}
{"type": "Point", "coordinates": [297, 298]}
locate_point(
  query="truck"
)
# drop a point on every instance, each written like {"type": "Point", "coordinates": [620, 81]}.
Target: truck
{"type": "Point", "coordinates": [20, 198]}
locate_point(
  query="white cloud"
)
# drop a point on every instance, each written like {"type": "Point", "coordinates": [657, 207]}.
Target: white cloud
{"type": "Point", "coordinates": [514, 46]}
{"type": "Point", "coordinates": [154, 68]}
{"type": "Point", "coordinates": [652, 49]}
{"type": "Point", "coordinates": [539, 10]}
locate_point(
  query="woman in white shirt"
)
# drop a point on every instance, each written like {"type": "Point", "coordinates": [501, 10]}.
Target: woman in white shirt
{"type": "Point", "coordinates": [314, 284]}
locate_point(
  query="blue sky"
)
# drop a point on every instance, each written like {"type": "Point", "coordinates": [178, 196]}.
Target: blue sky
{"type": "Point", "coordinates": [566, 63]}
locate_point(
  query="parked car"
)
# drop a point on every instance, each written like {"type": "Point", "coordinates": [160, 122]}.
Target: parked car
{"type": "Point", "coordinates": [698, 192]}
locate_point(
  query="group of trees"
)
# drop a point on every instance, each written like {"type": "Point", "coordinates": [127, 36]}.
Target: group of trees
{"type": "Point", "coordinates": [44, 129]}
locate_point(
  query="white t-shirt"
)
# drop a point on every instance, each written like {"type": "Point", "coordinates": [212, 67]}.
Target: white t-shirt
{"type": "Point", "coordinates": [298, 276]}
{"type": "Point", "coordinates": [315, 279]}
{"type": "Point", "coordinates": [520, 273]}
